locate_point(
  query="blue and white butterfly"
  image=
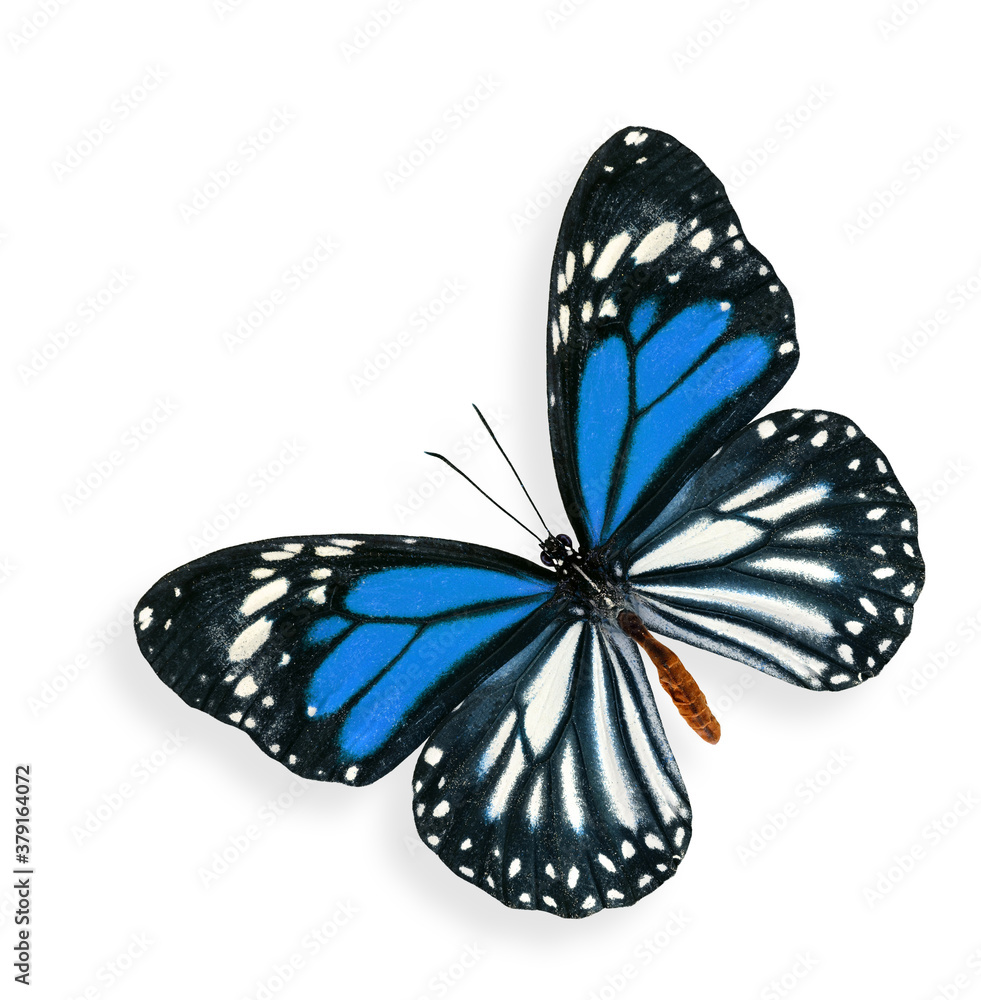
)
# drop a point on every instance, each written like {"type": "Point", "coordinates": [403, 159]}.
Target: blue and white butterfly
{"type": "Point", "coordinates": [786, 543]}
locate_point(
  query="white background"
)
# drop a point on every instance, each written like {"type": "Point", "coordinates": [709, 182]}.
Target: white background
{"type": "Point", "coordinates": [823, 902]}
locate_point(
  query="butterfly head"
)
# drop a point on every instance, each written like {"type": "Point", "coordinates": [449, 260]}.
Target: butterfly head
{"type": "Point", "coordinates": [558, 551]}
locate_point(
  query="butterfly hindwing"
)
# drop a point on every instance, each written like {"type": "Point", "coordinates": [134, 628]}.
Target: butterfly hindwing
{"type": "Point", "coordinates": [668, 331]}
{"type": "Point", "coordinates": [337, 656]}
{"type": "Point", "coordinates": [794, 550]}
{"type": "Point", "coordinates": [552, 786]}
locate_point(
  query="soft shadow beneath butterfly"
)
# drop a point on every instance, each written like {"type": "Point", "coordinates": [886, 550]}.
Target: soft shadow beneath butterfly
{"type": "Point", "coordinates": [786, 543]}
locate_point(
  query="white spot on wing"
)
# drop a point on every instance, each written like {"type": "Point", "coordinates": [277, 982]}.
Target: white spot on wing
{"type": "Point", "coordinates": [246, 687]}
{"type": "Point", "coordinates": [703, 240]}
{"type": "Point", "coordinates": [804, 569]}
{"type": "Point", "coordinates": [272, 591]}
{"type": "Point", "coordinates": [249, 640]}
{"type": "Point", "coordinates": [655, 242]}
{"type": "Point", "coordinates": [336, 549]}
{"type": "Point", "coordinates": [493, 751]}
{"type": "Point", "coordinates": [812, 533]}
{"type": "Point", "coordinates": [571, 798]}
{"type": "Point", "coordinates": [535, 802]}
{"type": "Point", "coordinates": [698, 538]}
{"type": "Point", "coordinates": [612, 252]}
{"type": "Point", "coordinates": [505, 785]}
{"type": "Point", "coordinates": [546, 695]}
{"type": "Point", "coordinates": [791, 504]}
{"type": "Point", "coordinates": [754, 492]}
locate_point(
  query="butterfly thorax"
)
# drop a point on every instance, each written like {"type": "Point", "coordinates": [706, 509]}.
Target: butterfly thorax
{"type": "Point", "coordinates": [585, 577]}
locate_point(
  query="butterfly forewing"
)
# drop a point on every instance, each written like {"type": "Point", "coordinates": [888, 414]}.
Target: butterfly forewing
{"type": "Point", "coordinates": [337, 656]}
{"type": "Point", "coordinates": [552, 787]}
{"type": "Point", "coordinates": [668, 331]}
{"type": "Point", "coordinates": [794, 550]}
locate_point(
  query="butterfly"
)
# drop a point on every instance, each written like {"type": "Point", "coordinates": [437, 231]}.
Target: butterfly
{"type": "Point", "coordinates": [784, 542]}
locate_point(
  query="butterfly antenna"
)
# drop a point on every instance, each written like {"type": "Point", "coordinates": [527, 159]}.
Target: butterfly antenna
{"type": "Point", "coordinates": [513, 469]}
{"type": "Point", "coordinates": [443, 458]}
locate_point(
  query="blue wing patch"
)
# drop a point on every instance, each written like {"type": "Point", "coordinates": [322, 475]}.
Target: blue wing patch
{"type": "Point", "coordinates": [683, 375]}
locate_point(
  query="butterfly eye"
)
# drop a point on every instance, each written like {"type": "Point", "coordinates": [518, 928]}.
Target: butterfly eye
{"type": "Point", "coordinates": [547, 559]}
{"type": "Point", "coordinates": [565, 540]}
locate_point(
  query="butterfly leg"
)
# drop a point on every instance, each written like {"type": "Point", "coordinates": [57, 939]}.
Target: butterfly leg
{"type": "Point", "coordinates": [675, 679]}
